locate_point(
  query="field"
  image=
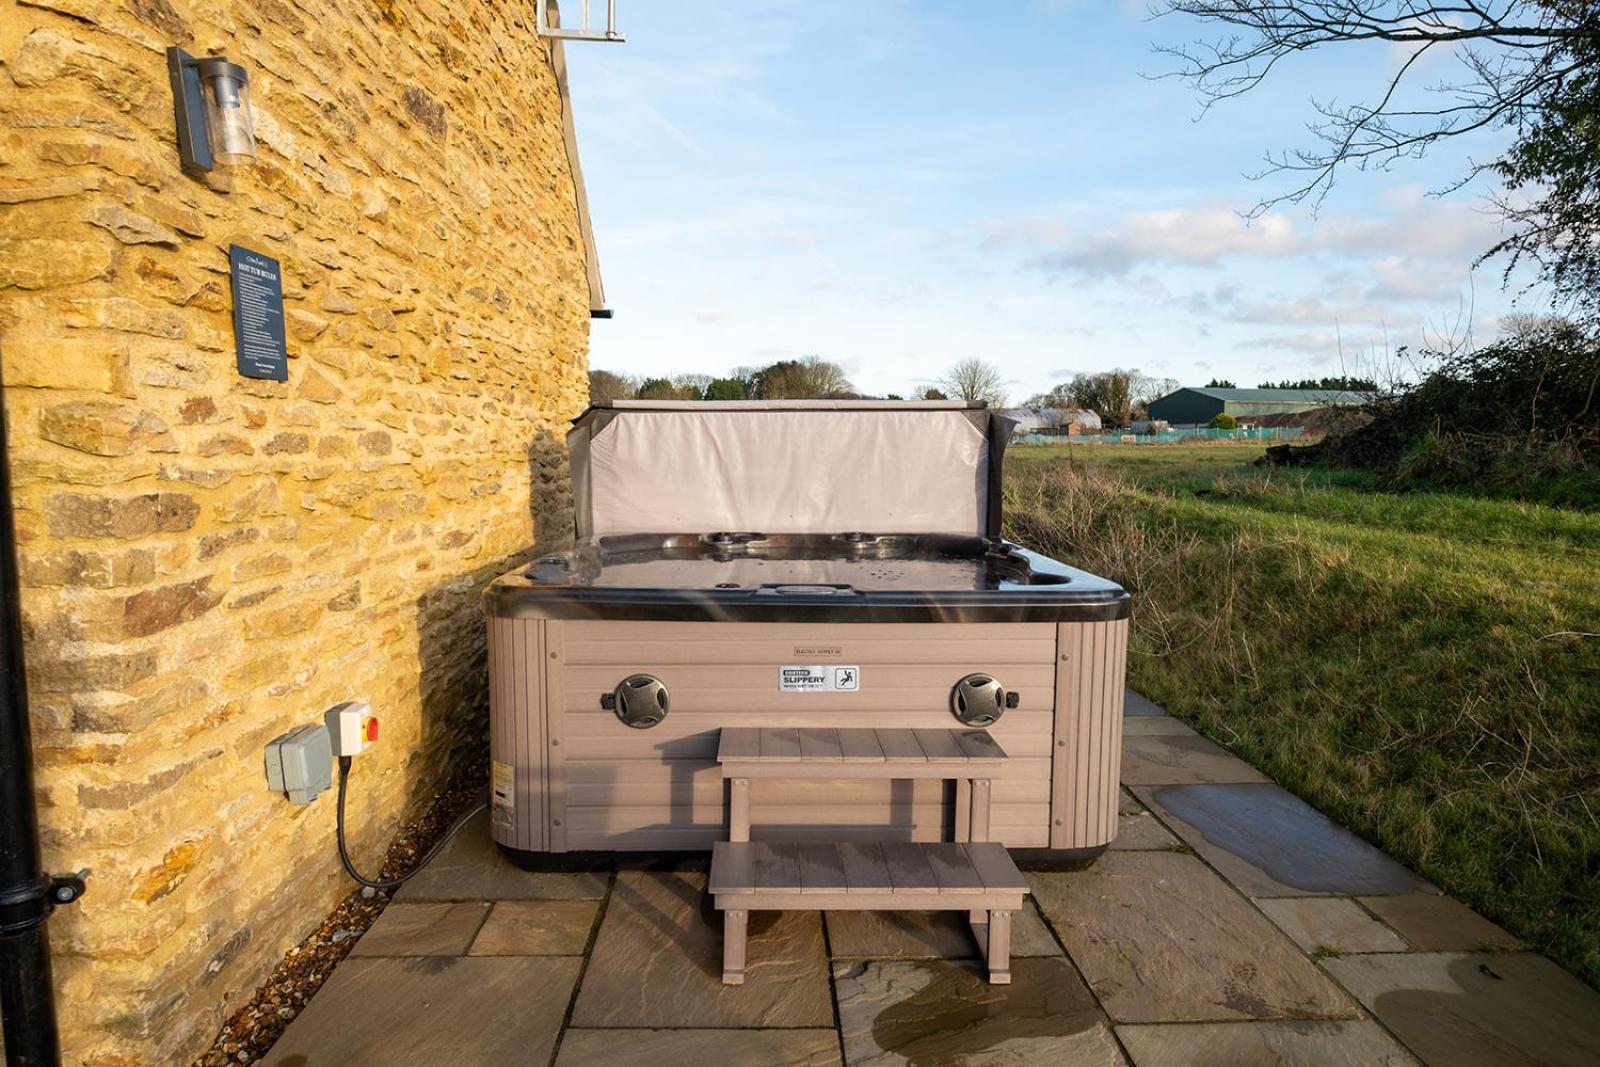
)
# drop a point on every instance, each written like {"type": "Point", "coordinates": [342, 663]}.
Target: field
{"type": "Point", "coordinates": [1425, 667]}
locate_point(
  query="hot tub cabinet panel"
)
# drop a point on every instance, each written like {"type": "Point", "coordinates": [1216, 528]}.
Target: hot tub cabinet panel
{"type": "Point", "coordinates": [569, 775]}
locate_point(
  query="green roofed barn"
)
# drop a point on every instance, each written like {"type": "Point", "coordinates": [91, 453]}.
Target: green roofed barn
{"type": "Point", "coordinates": [1195, 405]}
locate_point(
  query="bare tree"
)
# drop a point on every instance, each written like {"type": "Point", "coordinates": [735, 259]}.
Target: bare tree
{"type": "Point", "coordinates": [809, 377]}
{"type": "Point", "coordinates": [973, 379]}
{"type": "Point", "coordinates": [606, 385]}
{"type": "Point", "coordinates": [1529, 65]}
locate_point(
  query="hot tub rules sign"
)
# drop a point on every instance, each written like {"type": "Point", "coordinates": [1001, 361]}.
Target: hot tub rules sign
{"type": "Point", "coordinates": [258, 315]}
{"type": "Point", "coordinates": [828, 678]}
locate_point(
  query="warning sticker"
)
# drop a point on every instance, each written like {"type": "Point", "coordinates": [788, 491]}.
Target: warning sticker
{"type": "Point", "coordinates": [504, 792]}
{"type": "Point", "coordinates": [819, 679]}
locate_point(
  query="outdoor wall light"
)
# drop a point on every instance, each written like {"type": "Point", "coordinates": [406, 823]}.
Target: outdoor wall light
{"type": "Point", "coordinates": [211, 101]}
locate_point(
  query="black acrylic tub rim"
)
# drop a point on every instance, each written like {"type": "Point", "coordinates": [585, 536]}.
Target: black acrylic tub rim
{"type": "Point", "coordinates": [1076, 596]}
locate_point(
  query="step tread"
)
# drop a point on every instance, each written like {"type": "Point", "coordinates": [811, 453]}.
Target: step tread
{"type": "Point", "coordinates": [788, 745]}
{"type": "Point", "coordinates": [971, 868]}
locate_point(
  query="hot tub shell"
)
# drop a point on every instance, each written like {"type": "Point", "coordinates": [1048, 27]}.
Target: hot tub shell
{"type": "Point", "coordinates": [894, 568]}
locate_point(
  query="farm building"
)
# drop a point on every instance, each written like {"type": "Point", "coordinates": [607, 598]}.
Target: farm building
{"type": "Point", "coordinates": [1192, 405]}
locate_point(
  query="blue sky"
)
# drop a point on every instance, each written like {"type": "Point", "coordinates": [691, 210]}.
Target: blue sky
{"type": "Point", "coordinates": [896, 186]}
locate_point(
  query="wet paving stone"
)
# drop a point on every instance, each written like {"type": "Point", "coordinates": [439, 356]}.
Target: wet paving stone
{"type": "Point", "coordinates": [1434, 923]}
{"type": "Point", "coordinates": [658, 962]}
{"type": "Point", "coordinates": [536, 928]}
{"type": "Point", "coordinates": [472, 868]}
{"type": "Point", "coordinates": [463, 1011]}
{"type": "Point", "coordinates": [1356, 1043]}
{"type": "Point", "coordinates": [711, 1048]}
{"type": "Point", "coordinates": [910, 935]}
{"type": "Point", "coordinates": [1336, 923]}
{"type": "Point", "coordinates": [1154, 725]}
{"type": "Point", "coordinates": [1134, 705]}
{"type": "Point", "coordinates": [1270, 843]}
{"type": "Point", "coordinates": [926, 1012]}
{"type": "Point", "coordinates": [422, 930]}
{"type": "Point", "coordinates": [1175, 760]}
{"type": "Point", "coordinates": [1459, 1009]}
{"type": "Point", "coordinates": [1161, 938]}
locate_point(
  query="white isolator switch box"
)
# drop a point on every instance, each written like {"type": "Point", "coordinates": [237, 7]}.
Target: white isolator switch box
{"type": "Point", "coordinates": [352, 728]}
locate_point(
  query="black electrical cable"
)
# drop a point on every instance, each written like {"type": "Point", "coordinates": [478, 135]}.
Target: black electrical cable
{"type": "Point", "coordinates": [388, 883]}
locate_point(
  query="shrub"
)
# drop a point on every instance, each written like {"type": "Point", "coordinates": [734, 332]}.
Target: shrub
{"type": "Point", "coordinates": [1223, 421]}
{"type": "Point", "coordinates": [1516, 417]}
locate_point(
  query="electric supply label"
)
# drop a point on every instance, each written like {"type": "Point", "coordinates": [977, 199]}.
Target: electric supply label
{"type": "Point", "coordinates": [504, 786]}
{"type": "Point", "coordinates": [820, 679]}
{"type": "Point", "coordinates": [258, 331]}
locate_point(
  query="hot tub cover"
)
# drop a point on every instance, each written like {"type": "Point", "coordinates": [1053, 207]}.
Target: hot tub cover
{"type": "Point", "coordinates": [787, 467]}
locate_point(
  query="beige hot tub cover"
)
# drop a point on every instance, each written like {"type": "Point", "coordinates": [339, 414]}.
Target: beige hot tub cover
{"type": "Point", "coordinates": [787, 466]}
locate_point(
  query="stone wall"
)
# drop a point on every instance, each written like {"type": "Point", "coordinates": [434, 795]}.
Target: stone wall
{"type": "Point", "coordinates": [209, 560]}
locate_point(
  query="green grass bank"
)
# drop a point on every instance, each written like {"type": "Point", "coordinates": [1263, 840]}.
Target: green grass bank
{"type": "Point", "coordinates": [1424, 667]}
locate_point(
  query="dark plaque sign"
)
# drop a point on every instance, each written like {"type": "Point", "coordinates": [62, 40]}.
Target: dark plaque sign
{"type": "Point", "coordinates": [258, 314]}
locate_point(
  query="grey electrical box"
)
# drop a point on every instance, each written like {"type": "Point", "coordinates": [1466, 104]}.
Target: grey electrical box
{"type": "Point", "coordinates": [300, 763]}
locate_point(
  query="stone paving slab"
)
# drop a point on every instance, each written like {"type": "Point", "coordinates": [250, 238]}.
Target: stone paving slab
{"type": "Point", "coordinates": [1134, 705]}
{"type": "Point", "coordinates": [1459, 1009]}
{"type": "Point", "coordinates": [1176, 760]}
{"type": "Point", "coordinates": [1337, 923]}
{"type": "Point", "coordinates": [1270, 843]}
{"type": "Point", "coordinates": [472, 868]}
{"type": "Point", "coordinates": [912, 935]}
{"type": "Point", "coordinates": [1161, 938]}
{"type": "Point", "coordinates": [423, 930]}
{"type": "Point", "coordinates": [927, 1012]}
{"type": "Point", "coordinates": [1434, 923]}
{"type": "Point", "coordinates": [708, 1048]}
{"type": "Point", "coordinates": [1356, 1043]}
{"type": "Point", "coordinates": [536, 928]}
{"type": "Point", "coordinates": [658, 962]}
{"type": "Point", "coordinates": [422, 1012]}
{"type": "Point", "coordinates": [1154, 725]}
{"type": "Point", "coordinates": [1141, 831]}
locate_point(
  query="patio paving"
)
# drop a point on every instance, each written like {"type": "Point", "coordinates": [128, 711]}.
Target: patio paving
{"type": "Point", "coordinates": [1230, 923]}
{"type": "Point", "coordinates": [936, 1011]}
{"type": "Point", "coordinates": [1269, 842]}
{"type": "Point", "coordinates": [1277, 1044]}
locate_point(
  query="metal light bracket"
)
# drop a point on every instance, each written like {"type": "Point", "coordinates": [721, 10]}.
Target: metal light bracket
{"type": "Point", "coordinates": [189, 107]}
{"type": "Point", "coordinates": [547, 20]}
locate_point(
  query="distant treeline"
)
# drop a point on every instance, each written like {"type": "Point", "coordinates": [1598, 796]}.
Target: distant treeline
{"type": "Point", "coordinates": [1339, 384]}
{"type": "Point", "coordinates": [806, 378]}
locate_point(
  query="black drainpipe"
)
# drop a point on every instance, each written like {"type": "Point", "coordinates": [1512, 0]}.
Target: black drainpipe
{"type": "Point", "coordinates": [27, 894]}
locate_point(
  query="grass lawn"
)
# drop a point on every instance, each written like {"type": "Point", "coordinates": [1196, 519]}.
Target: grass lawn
{"type": "Point", "coordinates": [1425, 667]}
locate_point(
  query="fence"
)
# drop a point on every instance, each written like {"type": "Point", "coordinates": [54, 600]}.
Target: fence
{"type": "Point", "coordinates": [1166, 437]}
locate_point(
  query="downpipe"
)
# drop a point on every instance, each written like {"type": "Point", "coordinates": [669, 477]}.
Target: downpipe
{"type": "Point", "coordinates": [27, 894]}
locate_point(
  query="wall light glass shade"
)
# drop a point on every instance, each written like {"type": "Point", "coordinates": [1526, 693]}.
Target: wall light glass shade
{"type": "Point", "coordinates": [229, 123]}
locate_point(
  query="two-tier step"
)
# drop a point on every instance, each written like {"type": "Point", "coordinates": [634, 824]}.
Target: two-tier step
{"type": "Point", "coordinates": [970, 874]}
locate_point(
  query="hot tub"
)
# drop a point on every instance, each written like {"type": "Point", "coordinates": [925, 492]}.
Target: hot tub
{"type": "Point", "coordinates": [800, 564]}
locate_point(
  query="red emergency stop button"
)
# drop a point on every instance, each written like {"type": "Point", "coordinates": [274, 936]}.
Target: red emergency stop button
{"type": "Point", "coordinates": [372, 729]}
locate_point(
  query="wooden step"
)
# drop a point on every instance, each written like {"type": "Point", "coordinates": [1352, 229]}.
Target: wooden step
{"type": "Point", "coordinates": [863, 870]}
{"type": "Point", "coordinates": [753, 752]}
{"type": "Point", "coordinates": [978, 878]}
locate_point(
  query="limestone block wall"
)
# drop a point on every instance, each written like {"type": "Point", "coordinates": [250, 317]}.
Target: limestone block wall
{"type": "Point", "coordinates": [209, 560]}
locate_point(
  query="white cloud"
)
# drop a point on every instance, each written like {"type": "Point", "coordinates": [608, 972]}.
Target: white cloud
{"type": "Point", "coordinates": [1412, 228]}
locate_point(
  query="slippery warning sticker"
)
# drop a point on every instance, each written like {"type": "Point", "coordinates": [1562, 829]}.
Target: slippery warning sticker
{"type": "Point", "coordinates": [819, 679]}
{"type": "Point", "coordinates": [504, 786]}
